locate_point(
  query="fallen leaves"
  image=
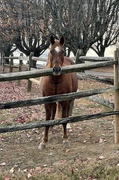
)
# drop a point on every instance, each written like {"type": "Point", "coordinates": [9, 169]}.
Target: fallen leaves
{"type": "Point", "coordinates": [29, 173]}
{"type": "Point", "coordinates": [101, 157]}
{"type": "Point", "coordinates": [7, 178]}
{"type": "Point", "coordinates": [38, 169]}
{"type": "Point", "coordinates": [102, 140]}
{"type": "Point", "coordinates": [118, 165]}
{"type": "Point", "coordinates": [12, 170]}
{"type": "Point", "coordinates": [3, 164]}
{"type": "Point", "coordinates": [10, 91]}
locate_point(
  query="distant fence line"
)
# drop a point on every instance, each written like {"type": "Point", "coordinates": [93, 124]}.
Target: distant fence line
{"type": "Point", "coordinates": [72, 68]}
{"type": "Point", "coordinates": [29, 59]}
{"type": "Point", "coordinates": [20, 65]}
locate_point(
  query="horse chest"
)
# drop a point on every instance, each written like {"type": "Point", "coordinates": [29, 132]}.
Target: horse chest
{"type": "Point", "coordinates": [53, 86]}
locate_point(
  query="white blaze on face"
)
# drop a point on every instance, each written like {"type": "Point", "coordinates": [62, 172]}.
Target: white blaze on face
{"type": "Point", "coordinates": [57, 49]}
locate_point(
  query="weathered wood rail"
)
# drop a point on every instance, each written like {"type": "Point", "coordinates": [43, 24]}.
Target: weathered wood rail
{"type": "Point", "coordinates": [68, 69]}
{"type": "Point", "coordinates": [47, 72]}
{"type": "Point", "coordinates": [32, 58]}
{"type": "Point", "coordinates": [101, 101]}
{"type": "Point", "coordinates": [94, 59]}
{"type": "Point", "coordinates": [51, 99]}
{"type": "Point", "coordinates": [20, 65]}
{"type": "Point", "coordinates": [41, 124]}
{"type": "Point", "coordinates": [109, 81]}
{"type": "Point", "coordinates": [11, 64]}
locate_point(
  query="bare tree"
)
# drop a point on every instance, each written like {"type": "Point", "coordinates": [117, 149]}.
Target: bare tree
{"type": "Point", "coordinates": [25, 25]}
{"type": "Point", "coordinates": [109, 10]}
{"type": "Point", "coordinates": [33, 34]}
{"type": "Point", "coordinates": [83, 22]}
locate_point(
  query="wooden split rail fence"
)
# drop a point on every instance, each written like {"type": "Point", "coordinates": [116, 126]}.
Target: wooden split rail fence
{"type": "Point", "coordinates": [28, 66]}
{"type": "Point", "coordinates": [21, 66]}
{"type": "Point", "coordinates": [50, 99]}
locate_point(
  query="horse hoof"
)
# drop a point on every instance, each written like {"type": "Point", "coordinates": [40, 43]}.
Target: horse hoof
{"type": "Point", "coordinates": [42, 146]}
{"type": "Point", "coordinates": [65, 144]}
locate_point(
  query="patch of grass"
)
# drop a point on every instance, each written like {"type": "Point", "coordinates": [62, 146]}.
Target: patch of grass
{"type": "Point", "coordinates": [72, 173]}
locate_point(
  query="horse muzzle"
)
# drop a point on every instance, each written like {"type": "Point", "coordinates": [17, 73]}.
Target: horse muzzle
{"type": "Point", "coordinates": [57, 71]}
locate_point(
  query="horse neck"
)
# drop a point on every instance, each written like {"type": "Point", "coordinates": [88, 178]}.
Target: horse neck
{"type": "Point", "coordinates": [48, 65]}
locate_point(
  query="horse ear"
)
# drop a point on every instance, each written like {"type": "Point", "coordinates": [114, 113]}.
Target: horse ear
{"type": "Point", "coordinates": [52, 40]}
{"type": "Point", "coordinates": [62, 40]}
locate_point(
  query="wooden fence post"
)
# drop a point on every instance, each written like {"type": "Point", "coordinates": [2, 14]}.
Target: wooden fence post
{"type": "Point", "coordinates": [20, 66]}
{"type": "Point", "coordinates": [11, 64]}
{"type": "Point", "coordinates": [0, 58]}
{"type": "Point", "coordinates": [30, 64]}
{"type": "Point", "coordinates": [116, 94]}
{"type": "Point", "coordinates": [78, 54]}
{"type": "Point", "coordinates": [3, 62]}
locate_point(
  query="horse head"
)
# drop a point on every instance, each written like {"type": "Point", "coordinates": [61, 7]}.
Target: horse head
{"type": "Point", "coordinates": [56, 55]}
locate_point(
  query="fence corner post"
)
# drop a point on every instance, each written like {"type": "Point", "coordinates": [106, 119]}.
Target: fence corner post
{"type": "Point", "coordinates": [116, 95]}
{"type": "Point", "coordinates": [78, 60]}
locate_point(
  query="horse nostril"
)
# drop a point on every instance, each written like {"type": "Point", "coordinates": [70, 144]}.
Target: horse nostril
{"type": "Point", "coordinates": [53, 68]}
{"type": "Point", "coordinates": [57, 70]}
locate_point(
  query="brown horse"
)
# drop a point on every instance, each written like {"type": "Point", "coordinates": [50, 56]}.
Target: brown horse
{"type": "Point", "coordinates": [58, 84]}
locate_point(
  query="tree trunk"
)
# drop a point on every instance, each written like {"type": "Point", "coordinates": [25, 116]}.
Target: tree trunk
{"type": "Point", "coordinates": [101, 52]}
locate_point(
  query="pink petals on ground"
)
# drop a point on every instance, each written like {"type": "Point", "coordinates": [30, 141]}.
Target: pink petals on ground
{"type": "Point", "coordinates": [38, 169]}
{"type": "Point", "coordinates": [102, 140]}
{"type": "Point", "coordinates": [7, 178]}
{"type": "Point", "coordinates": [3, 164]}
{"type": "Point", "coordinates": [30, 173]}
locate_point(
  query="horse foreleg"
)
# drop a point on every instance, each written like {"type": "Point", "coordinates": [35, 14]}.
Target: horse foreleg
{"type": "Point", "coordinates": [65, 113]}
{"type": "Point", "coordinates": [65, 136]}
{"type": "Point", "coordinates": [45, 137]}
{"type": "Point", "coordinates": [71, 107]}
{"type": "Point", "coordinates": [54, 106]}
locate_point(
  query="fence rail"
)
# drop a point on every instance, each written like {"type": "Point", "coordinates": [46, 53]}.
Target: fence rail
{"type": "Point", "coordinates": [31, 58]}
{"type": "Point", "coordinates": [104, 80]}
{"type": "Point", "coordinates": [51, 99]}
{"type": "Point", "coordinates": [41, 124]}
{"type": "Point", "coordinates": [94, 59]}
{"type": "Point", "coordinates": [47, 72]}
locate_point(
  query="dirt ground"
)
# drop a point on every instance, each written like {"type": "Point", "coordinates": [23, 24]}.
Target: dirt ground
{"type": "Point", "coordinates": [91, 143]}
